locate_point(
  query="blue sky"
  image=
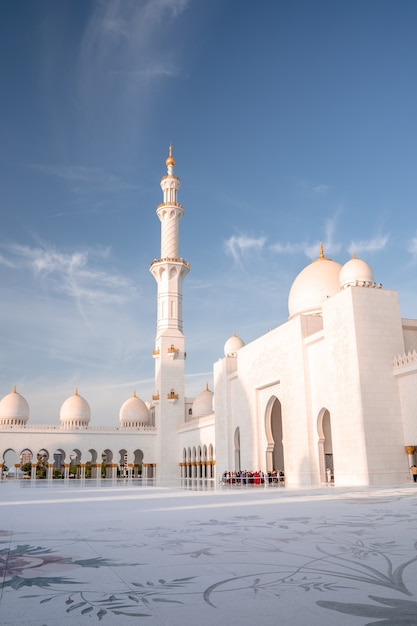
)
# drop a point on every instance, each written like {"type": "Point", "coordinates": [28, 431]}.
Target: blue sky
{"type": "Point", "coordinates": [292, 123]}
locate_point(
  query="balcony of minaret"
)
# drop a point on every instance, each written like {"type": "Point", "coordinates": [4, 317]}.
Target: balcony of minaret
{"type": "Point", "coordinates": [170, 260]}
{"type": "Point", "coordinates": [155, 398]}
{"type": "Point", "coordinates": [155, 354]}
{"type": "Point", "coordinates": [172, 396]}
{"type": "Point", "coordinates": [170, 176]}
{"type": "Point", "coordinates": [173, 351]}
{"type": "Point", "coordinates": [170, 204]}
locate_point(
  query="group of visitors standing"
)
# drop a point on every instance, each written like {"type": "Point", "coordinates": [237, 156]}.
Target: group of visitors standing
{"type": "Point", "coordinates": [246, 477]}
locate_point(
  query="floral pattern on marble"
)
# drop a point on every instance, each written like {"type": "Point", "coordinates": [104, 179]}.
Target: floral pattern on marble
{"type": "Point", "coordinates": [279, 556]}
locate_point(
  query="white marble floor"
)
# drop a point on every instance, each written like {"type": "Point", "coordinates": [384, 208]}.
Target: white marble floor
{"type": "Point", "coordinates": [126, 554]}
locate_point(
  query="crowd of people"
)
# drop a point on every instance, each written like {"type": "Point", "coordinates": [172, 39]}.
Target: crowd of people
{"type": "Point", "coordinates": [245, 477]}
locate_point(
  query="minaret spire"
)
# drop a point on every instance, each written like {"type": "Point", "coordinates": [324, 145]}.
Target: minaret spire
{"type": "Point", "coordinates": [170, 270]}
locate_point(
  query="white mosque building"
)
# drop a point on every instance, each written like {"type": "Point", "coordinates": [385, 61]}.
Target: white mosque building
{"type": "Point", "coordinates": [330, 393]}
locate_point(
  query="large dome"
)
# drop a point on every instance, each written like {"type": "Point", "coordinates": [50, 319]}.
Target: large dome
{"type": "Point", "coordinates": [203, 404]}
{"type": "Point", "coordinates": [356, 272]}
{"type": "Point", "coordinates": [75, 412]}
{"type": "Point", "coordinates": [134, 412]}
{"type": "Point", "coordinates": [313, 285]}
{"type": "Point", "coordinates": [232, 345]}
{"type": "Point", "coordinates": [14, 410]}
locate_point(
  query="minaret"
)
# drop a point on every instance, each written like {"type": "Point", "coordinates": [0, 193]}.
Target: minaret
{"type": "Point", "coordinates": [169, 272]}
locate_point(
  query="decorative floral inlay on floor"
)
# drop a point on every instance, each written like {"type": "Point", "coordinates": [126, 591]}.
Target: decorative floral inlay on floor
{"type": "Point", "coordinates": [286, 555]}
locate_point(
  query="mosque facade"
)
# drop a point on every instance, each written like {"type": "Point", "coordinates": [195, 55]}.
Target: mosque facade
{"type": "Point", "coordinates": [330, 395]}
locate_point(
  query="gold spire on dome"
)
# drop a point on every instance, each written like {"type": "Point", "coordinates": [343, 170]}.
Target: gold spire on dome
{"type": "Point", "coordinates": [76, 391]}
{"type": "Point", "coordinates": [322, 257]}
{"type": "Point", "coordinates": [134, 393]}
{"type": "Point", "coordinates": [14, 389]}
{"type": "Point", "coordinates": [170, 160]}
{"type": "Point", "coordinates": [353, 255]}
{"type": "Point", "coordinates": [207, 387]}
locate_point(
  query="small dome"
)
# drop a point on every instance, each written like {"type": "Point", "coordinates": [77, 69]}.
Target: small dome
{"type": "Point", "coordinates": [75, 412]}
{"type": "Point", "coordinates": [356, 272]}
{"type": "Point", "coordinates": [203, 404]}
{"type": "Point", "coordinates": [232, 345]}
{"type": "Point", "coordinates": [14, 410]}
{"type": "Point", "coordinates": [134, 412]}
{"type": "Point", "coordinates": [313, 285]}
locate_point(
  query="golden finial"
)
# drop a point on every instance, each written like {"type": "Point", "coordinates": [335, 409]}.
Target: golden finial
{"type": "Point", "coordinates": [322, 257]}
{"type": "Point", "coordinates": [14, 389]}
{"type": "Point", "coordinates": [170, 160]}
{"type": "Point", "coordinates": [207, 387]}
{"type": "Point", "coordinates": [353, 254]}
{"type": "Point", "coordinates": [134, 393]}
{"type": "Point", "coordinates": [76, 391]}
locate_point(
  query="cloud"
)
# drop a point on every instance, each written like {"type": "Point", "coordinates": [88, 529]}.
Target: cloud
{"type": "Point", "coordinates": [369, 245]}
{"type": "Point", "coordinates": [288, 248]}
{"type": "Point", "coordinates": [92, 176]}
{"type": "Point", "coordinates": [6, 262]}
{"type": "Point", "coordinates": [127, 37]}
{"type": "Point", "coordinates": [74, 275]}
{"type": "Point", "coordinates": [412, 246]}
{"type": "Point", "coordinates": [321, 189]}
{"type": "Point", "coordinates": [238, 246]}
{"type": "Point", "coordinates": [157, 9]}
{"type": "Point", "coordinates": [312, 251]}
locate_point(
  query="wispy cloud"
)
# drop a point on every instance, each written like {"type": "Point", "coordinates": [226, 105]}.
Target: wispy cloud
{"type": "Point", "coordinates": [238, 246]}
{"type": "Point", "coordinates": [127, 37]}
{"type": "Point", "coordinates": [81, 174]}
{"type": "Point", "coordinates": [311, 250]}
{"type": "Point", "coordinates": [330, 247]}
{"type": "Point", "coordinates": [412, 246]}
{"type": "Point", "coordinates": [369, 245]}
{"type": "Point", "coordinates": [6, 262]}
{"type": "Point", "coordinates": [75, 275]}
{"type": "Point", "coordinates": [321, 189]}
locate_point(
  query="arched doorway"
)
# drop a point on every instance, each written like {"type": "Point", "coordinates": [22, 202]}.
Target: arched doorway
{"type": "Point", "coordinates": [274, 436]}
{"type": "Point", "coordinates": [325, 446]}
{"type": "Point", "coordinates": [237, 449]}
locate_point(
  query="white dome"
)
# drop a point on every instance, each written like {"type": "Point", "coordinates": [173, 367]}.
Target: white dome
{"type": "Point", "coordinates": [134, 412]}
{"type": "Point", "coordinates": [313, 285]}
{"type": "Point", "coordinates": [356, 272]}
{"type": "Point", "coordinates": [75, 412]}
{"type": "Point", "coordinates": [203, 404]}
{"type": "Point", "coordinates": [14, 410]}
{"type": "Point", "coordinates": [232, 345]}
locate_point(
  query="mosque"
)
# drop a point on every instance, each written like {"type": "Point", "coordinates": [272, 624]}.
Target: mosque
{"type": "Point", "coordinates": [331, 394]}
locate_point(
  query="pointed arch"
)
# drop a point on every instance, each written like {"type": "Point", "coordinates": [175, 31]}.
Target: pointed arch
{"type": "Point", "coordinates": [324, 431]}
{"type": "Point", "coordinates": [274, 436]}
{"type": "Point", "coordinates": [237, 449]}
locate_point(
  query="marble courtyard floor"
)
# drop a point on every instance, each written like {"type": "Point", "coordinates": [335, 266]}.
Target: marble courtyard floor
{"type": "Point", "coordinates": [127, 554]}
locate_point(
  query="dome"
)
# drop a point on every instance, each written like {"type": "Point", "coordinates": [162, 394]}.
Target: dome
{"type": "Point", "coordinates": [75, 412]}
{"type": "Point", "coordinates": [14, 410]}
{"type": "Point", "coordinates": [203, 404]}
{"type": "Point", "coordinates": [134, 412]}
{"type": "Point", "coordinates": [313, 285]}
{"type": "Point", "coordinates": [356, 272]}
{"type": "Point", "coordinates": [232, 345]}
